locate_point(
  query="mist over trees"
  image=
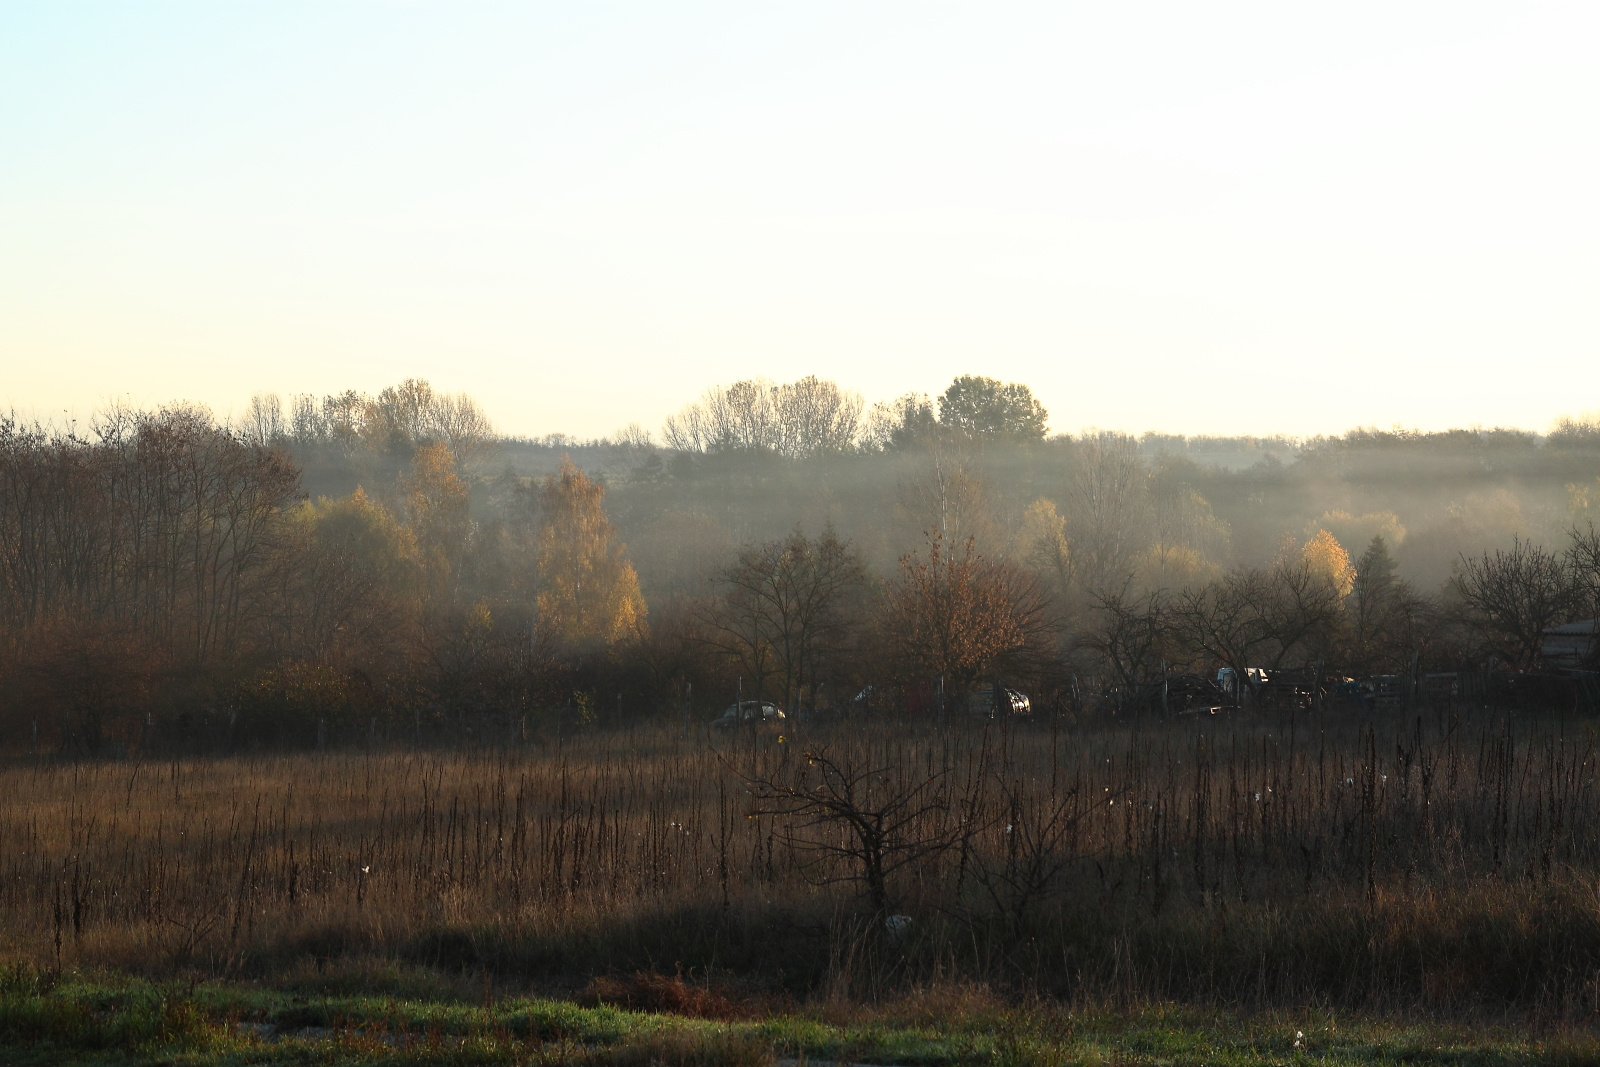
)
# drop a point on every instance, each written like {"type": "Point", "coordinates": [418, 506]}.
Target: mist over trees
{"type": "Point", "coordinates": [330, 567]}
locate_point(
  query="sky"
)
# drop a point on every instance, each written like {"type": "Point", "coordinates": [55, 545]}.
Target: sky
{"type": "Point", "coordinates": [1191, 218]}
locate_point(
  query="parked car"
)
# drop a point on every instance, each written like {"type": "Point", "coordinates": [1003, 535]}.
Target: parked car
{"type": "Point", "coordinates": [1240, 688]}
{"type": "Point", "coordinates": [748, 713]}
{"type": "Point", "coordinates": [997, 699]}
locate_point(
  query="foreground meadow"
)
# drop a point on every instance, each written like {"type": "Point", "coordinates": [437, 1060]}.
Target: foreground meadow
{"type": "Point", "coordinates": [92, 1020]}
{"type": "Point", "coordinates": [1223, 871]}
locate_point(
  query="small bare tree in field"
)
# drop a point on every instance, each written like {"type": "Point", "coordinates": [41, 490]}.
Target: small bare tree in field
{"type": "Point", "coordinates": [1040, 818]}
{"type": "Point", "coordinates": [878, 815]}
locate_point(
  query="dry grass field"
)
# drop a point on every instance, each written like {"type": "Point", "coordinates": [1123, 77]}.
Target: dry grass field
{"type": "Point", "coordinates": [1445, 862]}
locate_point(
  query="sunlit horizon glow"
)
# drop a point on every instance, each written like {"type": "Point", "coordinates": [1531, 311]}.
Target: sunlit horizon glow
{"type": "Point", "coordinates": [1237, 219]}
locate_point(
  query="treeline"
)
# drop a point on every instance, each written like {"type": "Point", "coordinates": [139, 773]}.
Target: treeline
{"type": "Point", "coordinates": [165, 573]}
{"type": "Point", "coordinates": [353, 566]}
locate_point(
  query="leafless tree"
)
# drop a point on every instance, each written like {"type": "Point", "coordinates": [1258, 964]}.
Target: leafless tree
{"type": "Point", "coordinates": [1129, 634]}
{"type": "Point", "coordinates": [1222, 620]}
{"type": "Point", "coordinates": [1109, 516]}
{"type": "Point", "coordinates": [893, 811]}
{"type": "Point", "coordinates": [1583, 561]}
{"type": "Point", "coordinates": [1258, 618]}
{"type": "Point", "coordinates": [816, 417]}
{"type": "Point", "coordinates": [264, 425]}
{"type": "Point", "coordinates": [456, 421]}
{"type": "Point", "coordinates": [1034, 822]}
{"type": "Point", "coordinates": [1301, 612]}
{"type": "Point", "coordinates": [785, 609]}
{"type": "Point", "coordinates": [1513, 595]}
{"type": "Point", "coordinates": [941, 489]}
{"type": "Point", "coordinates": [810, 417]}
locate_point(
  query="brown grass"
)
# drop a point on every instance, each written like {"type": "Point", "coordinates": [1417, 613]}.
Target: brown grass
{"type": "Point", "coordinates": [648, 991]}
{"type": "Point", "coordinates": [1438, 860]}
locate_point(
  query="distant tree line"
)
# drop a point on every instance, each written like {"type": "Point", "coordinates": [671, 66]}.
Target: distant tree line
{"type": "Point", "coordinates": [166, 576]}
{"type": "Point", "coordinates": [811, 417]}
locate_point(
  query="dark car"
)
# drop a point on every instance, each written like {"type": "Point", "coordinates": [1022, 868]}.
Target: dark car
{"type": "Point", "coordinates": [748, 713]}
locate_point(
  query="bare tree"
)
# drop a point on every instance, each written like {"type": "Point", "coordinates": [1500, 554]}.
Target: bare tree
{"type": "Point", "coordinates": [1129, 634]}
{"type": "Point", "coordinates": [1512, 596]}
{"type": "Point", "coordinates": [942, 490]}
{"type": "Point", "coordinates": [1301, 612]}
{"type": "Point", "coordinates": [810, 417]}
{"type": "Point", "coordinates": [784, 610]}
{"type": "Point", "coordinates": [894, 811]}
{"type": "Point", "coordinates": [1110, 512]}
{"type": "Point", "coordinates": [816, 418]}
{"type": "Point", "coordinates": [412, 415]}
{"type": "Point", "coordinates": [164, 525]}
{"type": "Point", "coordinates": [263, 421]}
{"type": "Point", "coordinates": [1223, 621]}
{"type": "Point", "coordinates": [1034, 823]}
{"type": "Point", "coordinates": [1256, 618]}
{"type": "Point", "coordinates": [456, 421]}
{"type": "Point", "coordinates": [1583, 562]}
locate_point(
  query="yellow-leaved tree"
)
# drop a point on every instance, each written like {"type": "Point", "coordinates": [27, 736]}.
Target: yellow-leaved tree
{"type": "Point", "coordinates": [345, 585]}
{"type": "Point", "coordinates": [436, 509]}
{"type": "Point", "coordinates": [1326, 558]}
{"type": "Point", "coordinates": [588, 591]}
{"type": "Point", "coordinates": [1044, 545]}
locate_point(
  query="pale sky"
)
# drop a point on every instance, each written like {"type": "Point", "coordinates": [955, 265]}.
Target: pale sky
{"type": "Point", "coordinates": [1193, 218]}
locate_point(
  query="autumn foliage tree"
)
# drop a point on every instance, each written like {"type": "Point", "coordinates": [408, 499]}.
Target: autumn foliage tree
{"type": "Point", "coordinates": [348, 580]}
{"type": "Point", "coordinates": [588, 591]}
{"type": "Point", "coordinates": [960, 616]}
{"type": "Point", "coordinates": [1325, 558]}
{"type": "Point", "coordinates": [437, 512]}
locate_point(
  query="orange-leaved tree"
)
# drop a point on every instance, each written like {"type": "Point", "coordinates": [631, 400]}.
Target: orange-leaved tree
{"type": "Point", "coordinates": [961, 616]}
{"type": "Point", "coordinates": [588, 591]}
